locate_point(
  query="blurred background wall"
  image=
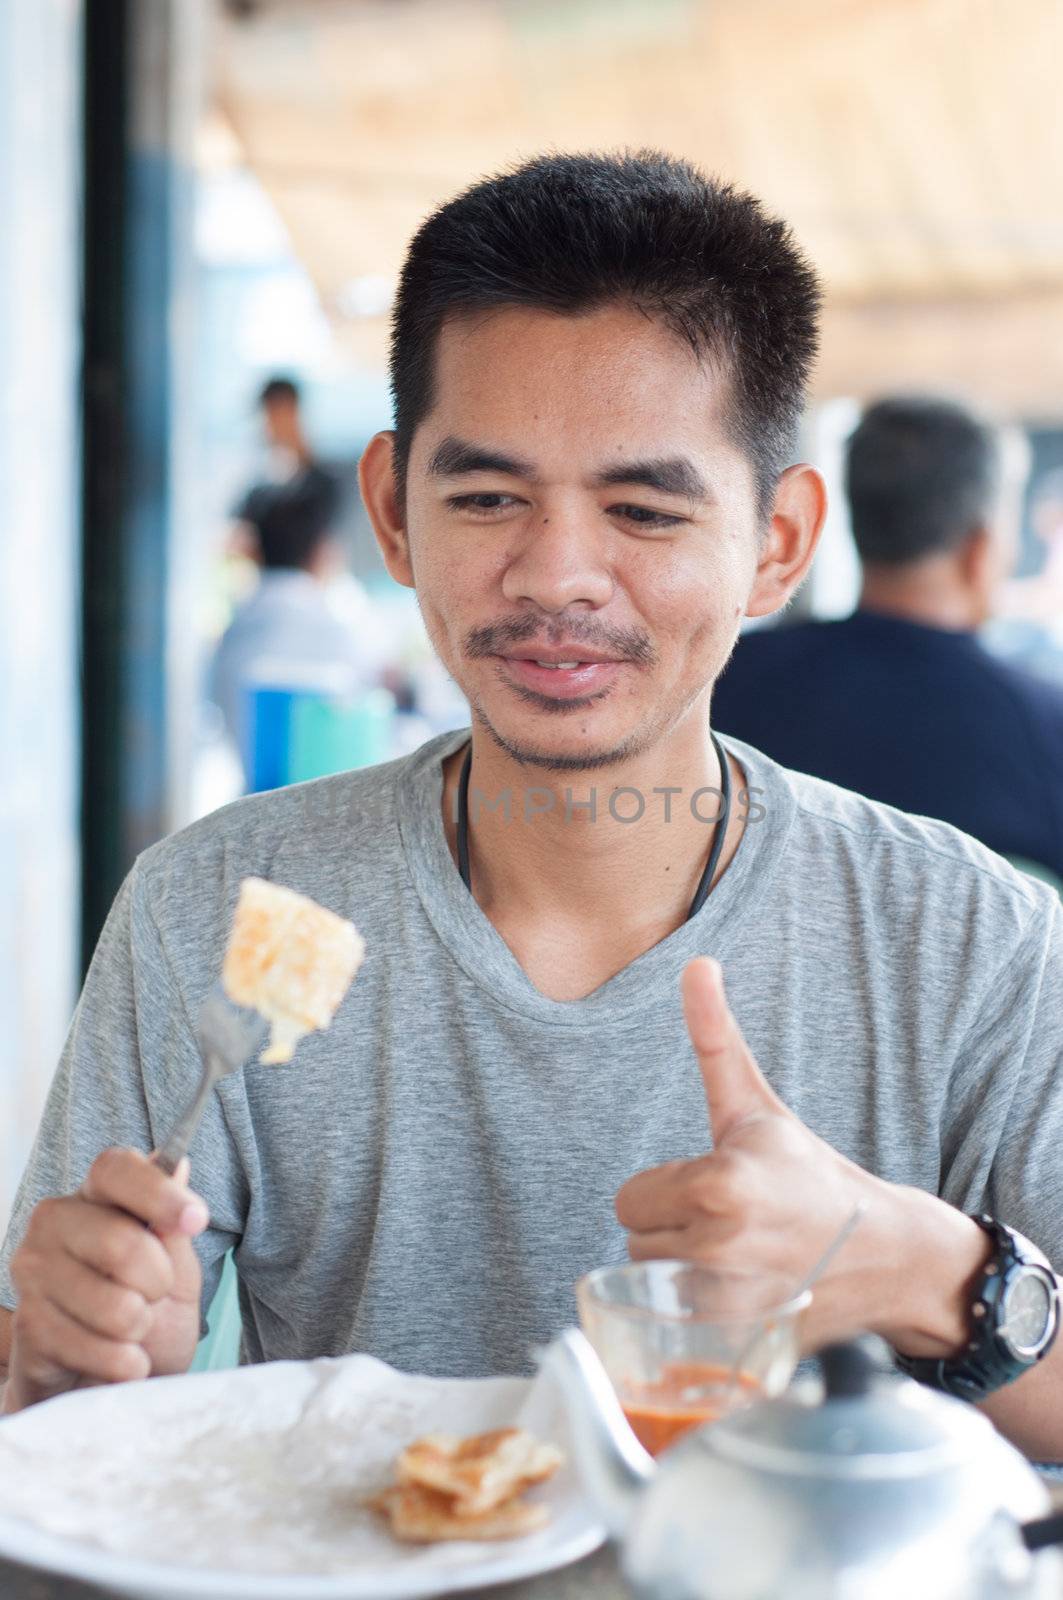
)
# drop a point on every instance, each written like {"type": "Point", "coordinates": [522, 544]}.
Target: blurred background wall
{"type": "Point", "coordinates": [201, 194]}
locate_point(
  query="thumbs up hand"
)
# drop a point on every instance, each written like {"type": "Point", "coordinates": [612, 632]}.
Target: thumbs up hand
{"type": "Point", "coordinates": [772, 1195]}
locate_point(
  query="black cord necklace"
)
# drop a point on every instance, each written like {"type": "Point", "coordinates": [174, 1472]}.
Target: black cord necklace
{"type": "Point", "coordinates": [704, 883]}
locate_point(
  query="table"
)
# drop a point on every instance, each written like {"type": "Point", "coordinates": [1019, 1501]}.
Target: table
{"type": "Point", "coordinates": [595, 1578]}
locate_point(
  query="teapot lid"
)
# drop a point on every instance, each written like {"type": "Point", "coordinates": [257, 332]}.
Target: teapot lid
{"type": "Point", "coordinates": [868, 1425]}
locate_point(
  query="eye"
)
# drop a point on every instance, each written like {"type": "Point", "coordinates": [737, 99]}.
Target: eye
{"type": "Point", "coordinates": [645, 517]}
{"type": "Point", "coordinates": [482, 504]}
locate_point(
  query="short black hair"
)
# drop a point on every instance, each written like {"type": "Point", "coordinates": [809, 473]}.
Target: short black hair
{"type": "Point", "coordinates": [921, 474]}
{"type": "Point", "coordinates": [291, 519]}
{"type": "Point", "coordinates": [278, 388]}
{"type": "Point", "coordinates": [570, 233]}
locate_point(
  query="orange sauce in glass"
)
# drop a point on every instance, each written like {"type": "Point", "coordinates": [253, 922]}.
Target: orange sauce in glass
{"type": "Point", "coordinates": [660, 1413]}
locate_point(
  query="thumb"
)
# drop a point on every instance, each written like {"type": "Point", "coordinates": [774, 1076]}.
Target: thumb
{"type": "Point", "coordinates": [734, 1085]}
{"type": "Point", "coordinates": [187, 1274]}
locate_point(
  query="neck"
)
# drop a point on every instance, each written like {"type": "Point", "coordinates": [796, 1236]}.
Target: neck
{"type": "Point", "coordinates": [926, 594]}
{"type": "Point", "coordinates": [556, 845]}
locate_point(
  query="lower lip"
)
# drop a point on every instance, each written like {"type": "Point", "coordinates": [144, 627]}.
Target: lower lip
{"type": "Point", "coordinates": [564, 683]}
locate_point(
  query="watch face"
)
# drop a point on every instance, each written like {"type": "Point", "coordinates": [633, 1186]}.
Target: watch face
{"type": "Point", "coordinates": [1029, 1313]}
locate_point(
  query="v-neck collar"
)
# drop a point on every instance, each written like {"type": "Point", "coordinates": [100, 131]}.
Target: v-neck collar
{"type": "Point", "coordinates": [483, 954]}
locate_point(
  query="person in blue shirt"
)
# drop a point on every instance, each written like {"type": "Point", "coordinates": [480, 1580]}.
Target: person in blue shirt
{"type": "Point", "coordinates": [288, 632]}
{"type": "Point", "coordinates": [901, 701]}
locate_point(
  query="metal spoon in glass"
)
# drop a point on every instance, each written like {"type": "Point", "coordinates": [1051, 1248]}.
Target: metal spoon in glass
{"type": "Point", "coordinates": [803, 1287]}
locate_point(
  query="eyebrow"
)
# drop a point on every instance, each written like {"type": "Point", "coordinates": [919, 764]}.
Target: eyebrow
{"type": "Point", "coordinates": [667, 474]}
{"type": "Point", "coordinates": [457, 457]}
{"type": "Point", "coordinates": [673, 475]}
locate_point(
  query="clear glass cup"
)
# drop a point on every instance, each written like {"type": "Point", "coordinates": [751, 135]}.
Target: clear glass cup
{"type": "Point", "coordinates": [684, 1344]}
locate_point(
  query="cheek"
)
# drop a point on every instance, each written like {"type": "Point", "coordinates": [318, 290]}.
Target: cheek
{"type": "Point", "coordinates": [695, 601]}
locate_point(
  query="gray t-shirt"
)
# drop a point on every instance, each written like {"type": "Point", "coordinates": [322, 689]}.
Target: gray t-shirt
{"type": "Point", "coordinates": [427, 1179]}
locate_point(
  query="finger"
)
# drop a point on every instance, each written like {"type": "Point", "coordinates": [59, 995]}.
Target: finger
{"type": "Point", "coordinates": [660, 1197]}
{"type": "Point", "coordinates": [49, 1344]}
{"type": "Point", "coordinates": [133, 1182]}
{"type": "Point", "coordinates": [99, 1304]}
{"type": "Point", "coordinates": [114, 1245]}
{"type": "Point", "coordinates": [187, 1281]}
{"type": "Point", "coordinates": [734, 1086]}
{"type": "Point", "coordinates": [660, 1244]}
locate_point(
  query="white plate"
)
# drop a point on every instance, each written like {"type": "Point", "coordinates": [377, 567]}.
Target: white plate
{"type": "Point", "coordinates": [248, 1485]}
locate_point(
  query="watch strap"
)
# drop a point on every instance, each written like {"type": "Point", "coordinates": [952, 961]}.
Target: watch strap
{"type": "Point", "coordinates": [984, 1364]}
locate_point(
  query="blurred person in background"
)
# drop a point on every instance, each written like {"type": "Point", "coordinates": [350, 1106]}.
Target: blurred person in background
{"type": "Point", "coordinates": [901, 701]}
{"type": "Point", "coordinates": [280, 403]}
{"type": "Point", "coordinates": [1029, 629]}
{"type": "Point", "coordinates": [288, 456]}
{"type": "Point", "coordinates": [289, 630]}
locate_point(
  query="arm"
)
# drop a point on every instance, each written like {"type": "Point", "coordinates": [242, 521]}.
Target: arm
{"type": "Point", "coordinates": [930, 1317]}
{"type": "Point", "coordinates": [126, 1070]}
{"type": "Point", "coordinates": [771, 1196]}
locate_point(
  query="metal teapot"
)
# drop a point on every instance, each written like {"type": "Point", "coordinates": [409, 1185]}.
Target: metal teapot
{"type": "Point", "coordinates": [879, 1490]}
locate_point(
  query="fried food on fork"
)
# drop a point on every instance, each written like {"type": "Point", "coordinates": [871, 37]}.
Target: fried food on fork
{"type": "Point", "coordinates": [289, 959]}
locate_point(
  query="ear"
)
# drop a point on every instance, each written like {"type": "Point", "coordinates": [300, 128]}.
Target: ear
{"type": "Point", "coordinates": [977, 558]}
{"type": "Point", "coordinates": [797, 519]}
{"type": "Point", "coordinates": [376, 479]}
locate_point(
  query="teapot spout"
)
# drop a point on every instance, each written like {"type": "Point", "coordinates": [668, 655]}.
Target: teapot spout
{"type": "Point", "coordinates": [613, 1466]}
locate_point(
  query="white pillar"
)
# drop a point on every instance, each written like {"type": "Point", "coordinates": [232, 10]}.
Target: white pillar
{"type": "Point", "coordinates": [39, 354]}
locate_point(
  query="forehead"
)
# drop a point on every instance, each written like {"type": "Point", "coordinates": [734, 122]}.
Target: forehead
{"type": "Point", "coordinates": [599, 384]}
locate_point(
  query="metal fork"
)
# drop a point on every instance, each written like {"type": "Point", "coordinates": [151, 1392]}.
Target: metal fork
{"type": "Point", "coordinates": [226, 1036]}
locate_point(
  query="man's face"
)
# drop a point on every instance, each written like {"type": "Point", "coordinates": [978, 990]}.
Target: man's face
{"type": "Point", "coordinates": [572, 498]}
{"type": "Point", "coordinates": [280, 421]}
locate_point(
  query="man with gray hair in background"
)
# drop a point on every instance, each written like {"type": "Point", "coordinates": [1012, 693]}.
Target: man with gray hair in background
{"type": "Point", "coordinates": [901, 702]}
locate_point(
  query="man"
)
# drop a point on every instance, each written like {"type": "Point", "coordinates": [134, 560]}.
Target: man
{"type": "Point", "coordinates": [282, 420]}
{"type": "Point", "coordinates": [287, 632]}
{"type": "Point", "coordinates": [599, 367]}
{"type": "Point", "coordinates": [901, 701]}
{"type": "Point", "coordinates": [1029, 626]}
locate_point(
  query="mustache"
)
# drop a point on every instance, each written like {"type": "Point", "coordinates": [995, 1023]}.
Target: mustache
{"type": "Point", "coordinates": [495, 638]}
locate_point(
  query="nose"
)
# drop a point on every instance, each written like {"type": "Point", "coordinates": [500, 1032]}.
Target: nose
{"type": "Point", "coordinates": [561, 561]}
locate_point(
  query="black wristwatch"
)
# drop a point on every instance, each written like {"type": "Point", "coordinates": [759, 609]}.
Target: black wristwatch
{"type": "Point", "coordinates": [1013, 1318]}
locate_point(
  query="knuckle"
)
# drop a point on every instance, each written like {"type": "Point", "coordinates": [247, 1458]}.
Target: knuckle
{"type": "Point", "coordinates": [30, 1315]}
{"type": "Point", "coordinates": [126, 1315]}
{"type": "Point", "coordinates": [120, 1249]}
{"type": "Point", "coordinates": [25, 1267]}
{"type": "Point", "coordinates": [704, 1189]}
{"type": "Point", "coordinates": [45, 1219]}
{"type": "Point", "coordinates": [158, 1275]}
{"type": "Point", "coordinates": [109, 1164]}
{"type": "Point", "coordinates": [126, 1363]}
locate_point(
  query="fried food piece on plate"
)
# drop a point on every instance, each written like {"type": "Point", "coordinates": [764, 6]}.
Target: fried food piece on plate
{"type": "Point", "coordinates": [289, 959]}
{"type": "Point", "coordinates": [423, 1516]}
{"type": "Point", "coordinates": [480, 1472]}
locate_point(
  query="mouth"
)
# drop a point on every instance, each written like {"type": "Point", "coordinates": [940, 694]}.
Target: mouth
{"type": "Point", "coordinates": [570, 674]}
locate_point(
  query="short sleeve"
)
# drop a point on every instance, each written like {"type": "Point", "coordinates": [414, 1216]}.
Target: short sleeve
{"type": "Point", "coordinates": [1003, 1136]}
{"type": "Point", "coordinates": [129, 1066]}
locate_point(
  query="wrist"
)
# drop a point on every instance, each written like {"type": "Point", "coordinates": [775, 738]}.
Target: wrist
{"type": "Point", "coordinates": [936, 1257]}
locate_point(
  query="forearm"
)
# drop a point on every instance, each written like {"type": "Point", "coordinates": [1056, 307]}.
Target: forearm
{"type": "Point", "coordinates": [929, 1256]}
{"type": "Point", "coordinates": [1029, 1411]}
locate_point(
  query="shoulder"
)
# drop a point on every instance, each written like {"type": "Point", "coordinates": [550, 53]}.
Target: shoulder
{"type": "Point", "coordinates": [335, 839]}
{"type": "Point", "coordinates": [868, 866]}
{"type": "Point", "coordinates": [1040, 696]}
{"type": "Point", "coordinates": [918, 866]}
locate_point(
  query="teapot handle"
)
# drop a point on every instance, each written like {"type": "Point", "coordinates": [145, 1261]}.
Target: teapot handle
{"type": "Point", "coordinates": [1043, 1531]}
